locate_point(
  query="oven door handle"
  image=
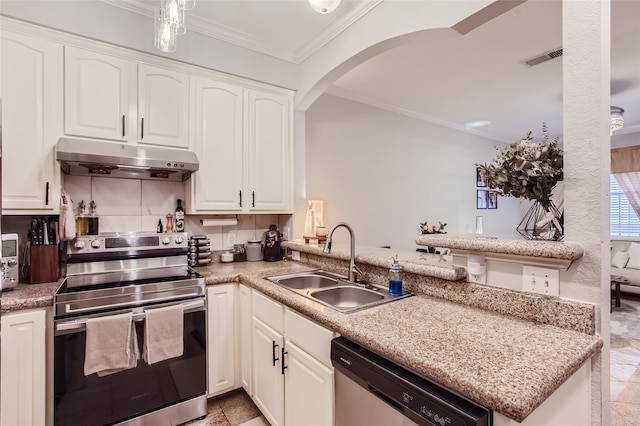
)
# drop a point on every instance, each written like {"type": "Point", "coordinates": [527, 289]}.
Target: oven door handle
{"type": "Point", "coordinates": [69, 310]}
{"type": "Point", "coordinates": [78, 324]}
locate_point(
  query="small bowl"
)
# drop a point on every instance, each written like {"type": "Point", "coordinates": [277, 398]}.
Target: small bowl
{"type": "Point", "coordinates": [226, 257]}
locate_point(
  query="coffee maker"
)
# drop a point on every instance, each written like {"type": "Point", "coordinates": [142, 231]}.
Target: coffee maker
{"type": "Point", "coordinates": [271, 250]}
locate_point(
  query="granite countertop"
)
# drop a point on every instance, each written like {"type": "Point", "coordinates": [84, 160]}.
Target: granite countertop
{"type": "Point", "coordinates": [29, 296]}
{"type": "Point", "coordinates": [484, 355]}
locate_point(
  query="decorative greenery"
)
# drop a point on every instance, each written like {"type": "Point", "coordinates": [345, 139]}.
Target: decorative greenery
{"type": "Point", "coordinates": [527, 169]}
{"type": "Point", "coordinates": [433, 229]}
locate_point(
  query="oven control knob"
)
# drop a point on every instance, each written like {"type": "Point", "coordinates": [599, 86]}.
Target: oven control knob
{"type": "Point", "coordinates": [79, 244]}
{"type": "Point", "coordinates": [179, 240]}
{"type": "Point", "coordinates": [96, 244]}
{"type": "Point", "coordinates": [166, 240]}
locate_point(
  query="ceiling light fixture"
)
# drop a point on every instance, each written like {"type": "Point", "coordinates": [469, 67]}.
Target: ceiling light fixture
{"type": "Point", "coordinates": [617, 118]}
{"type": "Point", "coordinates": [169, 22]}
{"type": "Point", "coordinates": [324, 6]}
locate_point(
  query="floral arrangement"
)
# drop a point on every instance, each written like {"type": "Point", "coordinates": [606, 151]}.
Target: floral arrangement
{"type": "Point", "coordinates": [433, 229]}
{"type": "Point", "coordinates": [526, 169]}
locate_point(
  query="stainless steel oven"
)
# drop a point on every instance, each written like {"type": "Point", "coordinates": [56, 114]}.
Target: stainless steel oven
{"type": "Point", "coordinates": [120, 273]}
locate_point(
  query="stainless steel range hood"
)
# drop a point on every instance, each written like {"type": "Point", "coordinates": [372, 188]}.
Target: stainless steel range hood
{"type": "Point", "coordinates": [110, 159]}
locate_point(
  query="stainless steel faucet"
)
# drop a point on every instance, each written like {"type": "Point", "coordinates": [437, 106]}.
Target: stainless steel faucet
{"type": "Point", "coordinates": [354, 271]}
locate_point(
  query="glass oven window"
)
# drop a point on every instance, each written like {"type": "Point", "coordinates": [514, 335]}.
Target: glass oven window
{"type": "Point", "coordinates": [94, 400]}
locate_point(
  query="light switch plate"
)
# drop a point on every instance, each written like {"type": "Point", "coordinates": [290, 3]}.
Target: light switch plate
{"type": "Point", "coordinates": [541, 280]}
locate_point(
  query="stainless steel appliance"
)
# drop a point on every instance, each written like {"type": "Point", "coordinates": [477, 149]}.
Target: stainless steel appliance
{"type": "Point", "coordinates": [371, 390]}
{"type": "Point", "coordinates": [9, 265]}
{"type": "Point", "coordinates": [113, 274]}
{"type": "Point", "coordinates": [105, 159]}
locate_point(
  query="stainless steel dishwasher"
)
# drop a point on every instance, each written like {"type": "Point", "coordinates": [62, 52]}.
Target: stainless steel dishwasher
{"type": "Point", "coordinates": [371, 390]}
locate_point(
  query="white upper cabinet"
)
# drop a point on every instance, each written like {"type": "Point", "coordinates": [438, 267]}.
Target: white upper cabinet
{"type": "Point", "coordinates": [242, 138]}
{"type": "Point", "coordinates": [31, 92]}
{"type": "Point", "coordinates": [96, 94]}
{"type": "Point", "coordinates": [101, 100]}
{"type": "Point", "coordinates": [217, 141]}
{"type": "Point", "coordinates": [269, 151]}
{"type": "Point", "coordinates": [163, 107]}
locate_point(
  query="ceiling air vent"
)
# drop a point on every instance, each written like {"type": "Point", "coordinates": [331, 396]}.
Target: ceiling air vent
{"type": "Point", "coordinates": [556, 53]}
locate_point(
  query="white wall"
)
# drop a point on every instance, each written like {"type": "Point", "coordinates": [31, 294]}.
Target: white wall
{"type": "Point", "coordinates": [384, 173]}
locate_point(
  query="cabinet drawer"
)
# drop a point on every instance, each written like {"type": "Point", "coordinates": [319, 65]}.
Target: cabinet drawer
{"type": "Point", "coordinates": [268, 311]}
{"type": "Point", "coordinates": [309, 336]}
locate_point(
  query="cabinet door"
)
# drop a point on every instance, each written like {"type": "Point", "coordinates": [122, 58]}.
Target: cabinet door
{"type": "Point", "coordinates": [245, 340]}
{"type": "Point", "coordinates": [31, 92]}
{"type": "Point", "coordinates": [23, 369]}
{"type": "Point", "coordinates": [217, 110]}
{"type": "Point", "coordinates": [221, 339]}
{"type": "Point", "coordinates": [96, 89]}
{"type": "Point", "coordinates": [163, 107]}
{"type": "Point", "coordinates": [269, 146]}
{"type": "Point", "coordinates": [268, 381]}
{"type": "Point", "coordinates": [308, 389]}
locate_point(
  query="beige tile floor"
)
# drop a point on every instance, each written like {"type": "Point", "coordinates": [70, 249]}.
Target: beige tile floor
{"type": "Point", "coordinates": [231, 409]}
{"type": "Point", "coordinates": [625, 381]}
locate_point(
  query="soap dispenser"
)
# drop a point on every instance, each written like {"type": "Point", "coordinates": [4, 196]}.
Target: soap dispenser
{"type": "Point", "coordinates": [395, 283]}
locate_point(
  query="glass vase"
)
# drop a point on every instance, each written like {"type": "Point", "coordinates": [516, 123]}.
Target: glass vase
{"type": "Point", "coordinates": [543, 221]}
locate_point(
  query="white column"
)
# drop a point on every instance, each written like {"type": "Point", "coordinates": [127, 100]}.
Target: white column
{"type": "Point", "coordinates": [586, 93]}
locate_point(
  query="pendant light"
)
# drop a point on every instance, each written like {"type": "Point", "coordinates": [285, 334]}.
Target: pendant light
{"type": "Point", "coordinates": [617, 118]}
{"type": "Point", "coordinates": [324, 6]}
{"type": "Point", "coordinates": [169, 22]}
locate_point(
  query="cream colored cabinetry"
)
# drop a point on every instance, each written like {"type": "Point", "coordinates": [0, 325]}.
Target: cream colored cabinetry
{"type": "Point", "coordinates": [308, 385]}
{"type": "Point", "coordinates": [117, 99]}
{"type": "Point", "coordinates": [292, 372]}
{"type": "Point", "coordinates": [163, 107]}
{"type": "Point", "coordinates": [267, 342]}
{"type": "Point", "coordinates": [217, 141]}
{"type": "Point", "coordinates": [31, 93]}
{"type": "Point", "coordinates": [242, 138]}
{"type": "Point", "coordinates": [23, 366]}
{"type": "Point", "coordinates": [269, 151]}
{"type": "Point", "coordinates": [245, 339]}
{"type": "Point", "coordinates": [222, 339]}
{"type": "Point", "coordinates": [96, 97]}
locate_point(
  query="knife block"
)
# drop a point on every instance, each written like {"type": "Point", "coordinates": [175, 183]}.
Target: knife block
{"type": "Point", "coordinates": [44, 264]}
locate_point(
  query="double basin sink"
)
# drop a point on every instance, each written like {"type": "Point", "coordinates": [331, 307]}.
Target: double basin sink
{"type": "Point", "coordinates": [336, 291]}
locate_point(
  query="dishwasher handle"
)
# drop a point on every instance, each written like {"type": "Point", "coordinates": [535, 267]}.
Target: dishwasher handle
{"type": "Point", "coordinates": [386, 398]}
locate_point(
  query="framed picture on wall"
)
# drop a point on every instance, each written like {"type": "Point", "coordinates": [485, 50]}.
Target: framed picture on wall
{"type": "Point", "coordinates": [492, 200]}
{"type": "Point", "coordinates": [481, 177]}
{"type": "Point", "coordinates": [482, 197]}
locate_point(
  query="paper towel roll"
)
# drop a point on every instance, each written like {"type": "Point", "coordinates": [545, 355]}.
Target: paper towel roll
{"type": "Point", "coordinates": [219, 222]}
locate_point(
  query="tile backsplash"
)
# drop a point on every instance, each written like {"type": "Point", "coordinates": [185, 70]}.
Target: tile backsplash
{"type": "Point", "coordinates": [126, 205]}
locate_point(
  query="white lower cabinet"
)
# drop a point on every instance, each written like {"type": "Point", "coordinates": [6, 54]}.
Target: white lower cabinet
{"type": "Point", "coordinates": [23, 401]}
{"type": "Point", "coordinates": [268, 381]}
{"type": "Point", "coordinates": [292, 371]}
{"type": "Point", "coordinates": [245, 339]}
{"type": "Point", "coordinates": [223, 344]}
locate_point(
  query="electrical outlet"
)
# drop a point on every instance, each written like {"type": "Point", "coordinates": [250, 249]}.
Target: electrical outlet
{"type": "Point", "coordinates": [476, 268]}
{"type": "Point", "coordinates": [295, 255]}
{"type": "Point", "coordinates": [541, 280]}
